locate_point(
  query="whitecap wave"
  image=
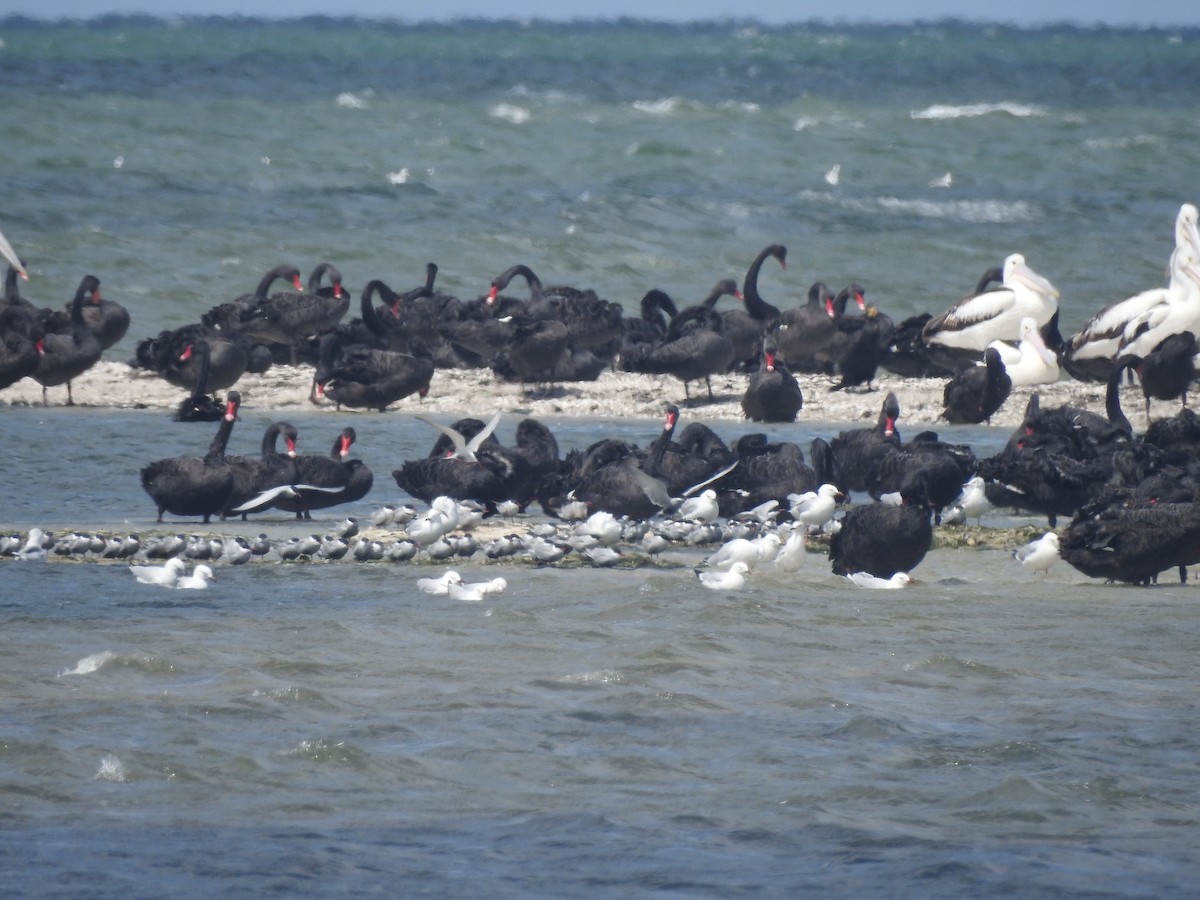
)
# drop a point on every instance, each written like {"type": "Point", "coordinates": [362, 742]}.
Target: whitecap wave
{"type": "Point", "coordinates": [348, 100]}
{"type": "Point", "coordinates": [601, 676]}
{"type": "Point", "coordinates": [972, 110]}
{"type": "Point", "coordinates": [511, 113]}
{"type": "Point", "coordinates": [1121, 143]}
{"type": "Point", "coordinates": [663, 107]}
{"type": "Point", "coordinates": [111, 769]}
{"type": "Point", "coordinates": [970, 211]}
{"type": "Point", "coordinates": [90, 664]}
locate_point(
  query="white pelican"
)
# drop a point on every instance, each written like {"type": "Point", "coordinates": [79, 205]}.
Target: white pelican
{"type": "Point", "coordinates": [1178, 313]}
{"type": "Point", "coordinates": [1030, 361]}
{"type": "Point", "coordinates": [995, 314]}
{"type": "Point", "coordinates": [1096, 346]}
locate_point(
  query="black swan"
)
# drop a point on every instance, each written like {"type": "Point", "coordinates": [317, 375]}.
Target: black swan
{"type": "Point", "coordinates": [20, 345]}
{"type": "Point", "coordinates": [68, 354]}
{"type": "Point", "coordinates": [773, 394]}
{"type": "Point", "coordinates": [364, 377]}
{"type": "Point", "coordinates": [882, 539]}
{"type": "Point", "coordinates": [693, 348]}
{"type": "Point", "coordinates": [974, 394]}
{"type": "Point", "coordinates": [252, 475]}
{"type": "Point", "coordinates": [195, 485]}
{"type": "Point", "coordinates": [747, 326]}
{"type": "Point", "coordinates": [357, 483]}
{"type": "Point", "coordinates": [805, 334]}
{"type": "Point", "coordinates": [858, 452]}
{"type": "Point", "coordinates": [198, 406]}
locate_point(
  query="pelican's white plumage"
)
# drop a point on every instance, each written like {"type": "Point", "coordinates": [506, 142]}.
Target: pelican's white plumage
{"type": "Point", "coordinates": [1030, 361]}
{"type": "Point", "coordinates": [1179, 312]}
{"type": "Point", "coordinates": [996, 314]}
{"type": "Point", "coordinates": [1039, 555]}
{"type": "Point", "coordinates": [1103, 334]}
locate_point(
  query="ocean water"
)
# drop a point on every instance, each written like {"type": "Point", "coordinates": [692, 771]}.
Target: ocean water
{"type": "Point", "coordinates": [327, 728]}
{"type": "Point", "coordinates": [181, 160]}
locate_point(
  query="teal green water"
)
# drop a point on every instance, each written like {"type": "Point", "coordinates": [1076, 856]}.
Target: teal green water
{"type": "Point", "coordinates": [328, 729]}
{"type": "Point", "coordinates": [181, 161]}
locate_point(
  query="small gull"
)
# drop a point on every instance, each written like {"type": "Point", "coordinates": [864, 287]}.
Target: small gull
{"type": "Point", "coordinates": [1039, 555]}
{"type": "Point", "coordinates": [198, 580]}
{"type": "Point", "coordinates": [732, 580]}
{"type": "Point", "coordinates": [165, 575]}
{"type": "Point", "coordinates": [867, 580]}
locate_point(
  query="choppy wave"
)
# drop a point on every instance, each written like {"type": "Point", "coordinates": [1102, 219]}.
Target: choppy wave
{"type": "Point", "coordinates": [90, 664]}
{"type": "Point", "coordinates": [970, 211]}
{"type": "Point", "coordinates": [973, 110]}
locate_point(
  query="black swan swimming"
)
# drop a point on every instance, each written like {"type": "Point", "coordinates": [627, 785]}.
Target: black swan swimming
{"type": "Point", "coordinates": [195, 485]}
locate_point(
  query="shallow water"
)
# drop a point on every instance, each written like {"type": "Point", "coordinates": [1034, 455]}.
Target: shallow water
{"type": "Point", "coordinates": [327, 727]}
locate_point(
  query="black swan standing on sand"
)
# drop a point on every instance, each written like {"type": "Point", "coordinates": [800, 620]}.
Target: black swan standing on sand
{"type": "Point", "coordinates": [746, 327]}
{"type": "Point", "coordinates": [195, 485]}
{"type": "Point", "coordinates": [20, 337]}
{"type": "Point", "coordinates": [68, 354]}
{"type": "Point", "coordinates": [882, 539]}
{"type": "Point", "coordinates": [364, 377]}
{"type": "Point", "coordinates": [356, 478]}
{"type": "Point", "coordinates": [591, 322]}
{"type": "Point", "coordinates": [773, 394]}
{"type": "Point", "coordinates": [805, 334]}
{"type": "Point", "coordinates": [253, 475]}
{"type": "Point", "coordinates": [974, 394]}
{"type": "Point", "coordinates": [693, 348]}
{"type": "Point", "coordinates": [198, 406]}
